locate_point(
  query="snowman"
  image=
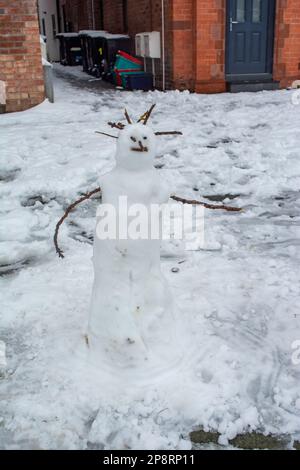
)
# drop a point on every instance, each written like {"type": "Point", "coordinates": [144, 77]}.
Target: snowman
{"type": "Point", "coordinates": [131, 320]}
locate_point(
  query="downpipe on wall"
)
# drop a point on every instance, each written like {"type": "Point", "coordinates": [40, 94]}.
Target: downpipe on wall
{"type": "Point", "coordinates": [163, 44]}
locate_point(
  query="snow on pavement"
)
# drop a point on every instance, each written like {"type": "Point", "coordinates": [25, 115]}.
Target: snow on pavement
{"type": "Point", "coordinates": [238, 298]}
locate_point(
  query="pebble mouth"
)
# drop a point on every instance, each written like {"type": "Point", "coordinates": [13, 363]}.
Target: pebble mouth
{"type": "Point", "coordinates": [140, 149]}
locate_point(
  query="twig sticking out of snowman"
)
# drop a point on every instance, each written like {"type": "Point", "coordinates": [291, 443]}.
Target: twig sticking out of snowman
{"type": "Point", "coordinates": [121, 126]}
{"type": "Point", "coordinates": [144, 119]}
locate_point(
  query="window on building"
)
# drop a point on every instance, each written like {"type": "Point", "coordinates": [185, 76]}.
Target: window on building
{"type": "Point", "coordinates": [256, 11]}
{"type": "Point", "coordinates": [240, 11]}
{"type": "Point", "coordinates": [125, 16]}
{"type": "Point", "coordinates": [53, 19]}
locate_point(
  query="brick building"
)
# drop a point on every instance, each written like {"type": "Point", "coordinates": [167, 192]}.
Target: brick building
{"type": "Point", "coordinates": [21, 72]}
{"type": "Point", "coordinates": [210, 45]}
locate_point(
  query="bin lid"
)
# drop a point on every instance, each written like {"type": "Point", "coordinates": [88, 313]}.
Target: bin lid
{"type": "Point", "coordinates": [116, 36]}
{"type": "Point", "coordinates": [67, 35]}
{"type": "Point", "coordinates": [101, 34]}
{"type": "Point", "coordinates": [92, 33]}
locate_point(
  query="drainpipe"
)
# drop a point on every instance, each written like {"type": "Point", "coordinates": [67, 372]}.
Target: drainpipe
{"type": "Point", "coordinates": [163, 44]}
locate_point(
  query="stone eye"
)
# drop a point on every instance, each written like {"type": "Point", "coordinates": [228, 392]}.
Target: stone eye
{"type": "Point", "coordinates": [133, 139]}
{"type": "Point", "coordinates": [144, 138]}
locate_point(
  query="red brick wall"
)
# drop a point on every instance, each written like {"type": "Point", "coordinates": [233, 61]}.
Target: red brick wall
{"type": "Point", "coordinates": [210, 46]}
{"type": "Point", "coordinates": [142, 16]}
{"type": "Point", "coordinates": [20, 54]}
{"type": "Point", "coordinates": [287, 42]}
{"type": "Point", "coordinates": [79, 14]}
{"type": "Point", "coordinates": [183, 44]}
{"type": "Point", "coordinates": [199, 45]}
{"type": "Point", "coordinates": [194, 37]}
{"type": "Point", "coordinates": [113, 16]}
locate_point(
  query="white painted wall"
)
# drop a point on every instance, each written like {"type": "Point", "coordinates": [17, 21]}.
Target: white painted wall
{"type": "Point", "coordinates": [47, 8]}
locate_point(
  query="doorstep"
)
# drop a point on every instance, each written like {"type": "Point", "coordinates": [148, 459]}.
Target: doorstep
{"type": "Point", "coordinates": [237, 87]}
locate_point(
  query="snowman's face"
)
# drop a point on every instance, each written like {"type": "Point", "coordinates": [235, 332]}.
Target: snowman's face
{"type": "Point", "coordinates": [136, 147]}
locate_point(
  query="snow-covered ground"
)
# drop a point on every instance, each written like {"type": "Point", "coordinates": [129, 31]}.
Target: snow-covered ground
{"type": "Point", "coordinates": [239, 298]}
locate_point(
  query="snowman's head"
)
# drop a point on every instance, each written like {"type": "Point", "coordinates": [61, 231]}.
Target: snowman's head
{"type": "Point", "coordinates": [136, 142]}
{"type": "Point", "coordinates": [136, 147]}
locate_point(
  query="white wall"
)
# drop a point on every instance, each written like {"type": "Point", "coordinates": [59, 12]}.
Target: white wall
{"type": "Point", "coordinates": [47, 9]}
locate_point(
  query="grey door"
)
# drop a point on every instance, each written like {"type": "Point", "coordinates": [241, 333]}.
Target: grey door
{"type": "Point", "coordinates": [250, 37]}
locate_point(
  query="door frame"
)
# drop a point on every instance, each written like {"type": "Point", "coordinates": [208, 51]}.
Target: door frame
{"type": "Point", "coordinates": [267, 76]}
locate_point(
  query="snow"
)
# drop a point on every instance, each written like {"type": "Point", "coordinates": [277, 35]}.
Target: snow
{"type": "Point", "coordinates": [67, 35]}
{"type": "Point", "coordinates": [46, 63]}
{"type": "Point", "coordinates": [3, 362]}
{"type": "Point", "coordinates": [91, 32]}
{"type": "Point", "coordinates": [101, 34]}
{"type": "Point", "coordinates": [75, 72]}
{"type": "Point", "coordinates": [239, 301]}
